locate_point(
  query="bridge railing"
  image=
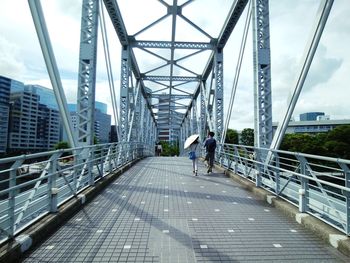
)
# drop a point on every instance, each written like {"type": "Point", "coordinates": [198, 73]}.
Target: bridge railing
{"type": "Point", "coordinates": [34, 185]}
{"type": "Point", "coordinates": [317, 185]}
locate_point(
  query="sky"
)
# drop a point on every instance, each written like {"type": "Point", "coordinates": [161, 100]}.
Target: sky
{"type": "Point", "coordinates": [326, 88]}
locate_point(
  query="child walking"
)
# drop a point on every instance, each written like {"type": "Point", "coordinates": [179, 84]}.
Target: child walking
{"type": "Point", "coordinates": [194, 147]}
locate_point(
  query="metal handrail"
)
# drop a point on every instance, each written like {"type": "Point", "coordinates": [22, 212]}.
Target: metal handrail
{"type": "Point", "coordinates": [317, 185]}
{"type": "Point", "coordinates": [289, 175]}
{"type": "Point", "coordinates": [26, 196]}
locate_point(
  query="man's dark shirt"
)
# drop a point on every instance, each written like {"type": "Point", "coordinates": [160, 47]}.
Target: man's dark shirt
{"type": "Point", "coordinates": [210, 144]}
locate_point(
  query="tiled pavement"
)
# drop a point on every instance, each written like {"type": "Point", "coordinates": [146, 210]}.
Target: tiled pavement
{"type": "Point", "coordinates": [158, 212]}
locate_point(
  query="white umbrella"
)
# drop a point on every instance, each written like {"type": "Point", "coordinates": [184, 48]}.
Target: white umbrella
{"type": "Point", "coordinates": [190, 140]}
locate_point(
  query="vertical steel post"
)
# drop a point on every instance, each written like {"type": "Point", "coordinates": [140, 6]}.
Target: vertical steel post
{"type": "Point", "coordinates": [124, 93]}
{"type": "Point", "coordinates": [235, 151]}
{"type": "Point", "coordinates": [259, 167]}
{"type": "Point", "coordinates": [12, 196]}
{"type": "Point", "coordinates": [346, 171]}
{"type": "Point", "coordinates": [52, 190]}
{"type": "Point", "coordinates": [203, 113]}
{"type": "Point", "coordinates": [143, 112]}
{"type": "Point", "coordinates": [277, 173]}
{"type": "Point", "coordinates": [304, 187]}
{"type": "Point", "coordinates": [134, 107]}
{"type": "Point", "coordinates": [219, 94]}
{"type": "Point", "coordinates": [194, 117]}
{"type": "Point", "coordinates": [262, 74]}
{"type": "Point", "coordinates": [87, 72]}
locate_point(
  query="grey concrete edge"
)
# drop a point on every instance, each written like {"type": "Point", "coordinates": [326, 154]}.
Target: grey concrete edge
{"type": "Point", "coordinates": [324, 231]}
{"type": "Point", "coordinates": [13, 250]}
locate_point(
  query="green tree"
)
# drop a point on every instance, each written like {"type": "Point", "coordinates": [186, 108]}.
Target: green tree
{"type": "Point", "coordinates": [340, 133]}
{"type": "Point", "coordinates": [338, 142]}
{"type": "Point", "coordinates": [338, 149]}
{"type": "Point", "coordinates": [247, 137]}
{"type": "Point", "coordinates": [334, 143]}
{"type": "Point", "coordinates": [62, 145]}
{"type": "Point", "coordinates": [304, 142]}
{"type": "Point", "coordinates": [170, 148]}
{"type": "Point", "coordinates": [231, 136]}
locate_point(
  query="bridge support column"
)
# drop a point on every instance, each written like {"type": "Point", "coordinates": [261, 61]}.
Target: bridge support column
{"type": "Point", "coordinates": [219, 97]}
{"type": "Point", "coordinates": [262, 74]}
{"type": "Point", "coordinates": [203, 114]}
{"type": "Point", "coordinates": [87, 73]}
{"type": "Point", "coordinates": [124, 93]}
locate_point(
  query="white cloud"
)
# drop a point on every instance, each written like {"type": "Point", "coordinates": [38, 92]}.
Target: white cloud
{"type": "Point", "coordinates": [10, 61]}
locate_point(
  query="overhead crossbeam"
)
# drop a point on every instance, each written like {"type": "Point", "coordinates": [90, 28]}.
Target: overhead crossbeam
{"type": "Point", "coordinates": [169, 78]}
{"type": "Point", "coordinates": [175, 97]}
{"type": "Point", "coordinates": [169, 44]}
{"type": "Point", "coordinates": [117, 21]}
{"type": "Point", "coordinates": [231, 21]}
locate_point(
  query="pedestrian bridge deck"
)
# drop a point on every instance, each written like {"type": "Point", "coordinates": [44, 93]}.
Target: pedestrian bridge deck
{"type": "Point", "coordinates": [158, 212]}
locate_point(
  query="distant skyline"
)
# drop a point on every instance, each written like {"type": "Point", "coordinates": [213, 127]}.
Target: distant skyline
{"type": "Point", "coordinates": [326, 88]}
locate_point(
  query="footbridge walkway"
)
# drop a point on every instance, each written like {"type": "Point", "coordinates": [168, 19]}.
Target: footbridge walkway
{"type": "Point", "coordinates": [154, 210]}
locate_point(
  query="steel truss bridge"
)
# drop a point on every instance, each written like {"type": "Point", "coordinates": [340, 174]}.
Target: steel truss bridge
{"type": "Point", "coordinates": [174, 99]}
{"type": "Point", "coordinates": [171, 98]}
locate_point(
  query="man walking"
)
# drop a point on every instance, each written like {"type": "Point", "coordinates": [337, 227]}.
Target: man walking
{"type": "Point", "coordinates": [210, 146]}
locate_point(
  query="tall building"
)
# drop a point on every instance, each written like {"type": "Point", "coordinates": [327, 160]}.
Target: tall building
{"type": "Point", "coordinates": [48, 133]}
{"type": "Point", "coordinates": [310, 116]}
{"type": "Point", "coordinates": [5, 87]}
{"type": "Point", "coordinates": [33, 126]}
{"type": "Point", "coordinates": [34, 121]}
{"type": "Point", "coordinates": [102, 125]}
{"type": "Point", "coordinates": [101, 106]}
{"type": "Point", "coordinates": [164, 114]}
{"type": "Point", "coordinates": [47, 97]}
{"type": "Point", "coordinates": [16, 86]}
{"type": "Point", "coordinates": [23, 121]}
{"type": "Point", "coordinates": [48, 116]}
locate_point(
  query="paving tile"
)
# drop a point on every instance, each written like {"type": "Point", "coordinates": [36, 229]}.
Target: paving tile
{"type": "Point", "coordinates": [158, 212]}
